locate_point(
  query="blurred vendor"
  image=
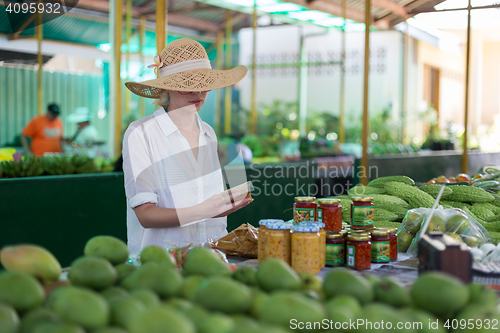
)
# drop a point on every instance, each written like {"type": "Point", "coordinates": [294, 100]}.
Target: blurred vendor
{"type": "Point", "coordinates": [45, 132]}
{"type": "Point", "coordinates": [86, 134]}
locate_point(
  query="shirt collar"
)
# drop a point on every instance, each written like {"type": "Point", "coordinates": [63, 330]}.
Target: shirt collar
{"type": "Point", "coordinates": [168, 127]}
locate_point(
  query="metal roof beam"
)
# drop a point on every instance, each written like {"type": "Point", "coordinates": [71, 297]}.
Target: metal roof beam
{"type": "Point", "coordinates": [418, 11]}
{"type": "Point", "coordinates": [336, 10]}
{"type": "Point", "coordinates": [174, 19]}
{"type": "Point", "coordinates": [390, 6]}
{"type": "Point", "coordinates": [23, 26]}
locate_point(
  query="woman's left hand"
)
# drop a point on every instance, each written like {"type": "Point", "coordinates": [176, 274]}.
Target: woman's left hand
{"type": "Point", "coordinates": [241, 204]}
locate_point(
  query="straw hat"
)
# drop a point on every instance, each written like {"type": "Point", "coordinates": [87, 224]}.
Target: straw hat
{"type": "Point", "coordinates": [183, 65]}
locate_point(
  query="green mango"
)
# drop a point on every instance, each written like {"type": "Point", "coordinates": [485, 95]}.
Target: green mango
{"type": "Point", "coordinates": [283, 307]}
{"type": "Point", "coordinates": [217, 323]}
{"type": "Point", "coordinates": [9, 320]}
{"type": "Point", "coordinates": [58, 328]}
{"type": "Point", "coordinates": [93, 273]}
{"type": "Point", "coordinates": [157, 254]}
{"type": "Point", "coordinates": [224, 294]}
{"type": "Point", "coordinates": [107, 247]}
{"type": "Point", "coordinates": [482, 295]}
{"type": "Point", "coordinates": [274, 274]}
{"type": "Point", "coordinates": [124, 270]}
{"type": "Point", "coordinates": [202, 261]}
{"type": "Point", "coordinates": [390, 292]}
{"type": "Point", "coordinates": [35, 317]}
{"type": "Point", "coordinates": [190, 285]}
{"type": "Point", "coordinates": [246, 275]}
{"type": "Point", "coordinates": [126, 310]}
{"type": "Point", "coordinates": [113, 294]}
{"type": "Point", "coordinates": [439, 293]}
{"type": "Point", "coordinates": [345, 282]}
{"type": "Point", "coordinates": [161, 320]}
{"type": "Point", "coordinates": [82, 307]}
{"type": "Point", "coordinates": [147, 297]}
{"type": "Point", "coordinates": [20, 290]}
{"type": "Point", "coordinates": [166, 282]}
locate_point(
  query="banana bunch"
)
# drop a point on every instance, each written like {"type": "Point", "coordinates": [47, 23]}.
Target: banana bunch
{"type": "Point", "coordinates": [26, 167]}
{"type": "Point", "coordinates": [58, 165]}
{"type": "Point", "coordinates": [83, 164]}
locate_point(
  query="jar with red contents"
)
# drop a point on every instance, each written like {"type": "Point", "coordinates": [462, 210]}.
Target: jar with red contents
{"type": "Point", "coordinates": [329, 212]}
{"type": "Point", "coordinates": [362, 213]}
{"type": "Point", "coordinates": [335, 249]}
{"type": "Point", "coordinates": [393, 239]}
{"type": "Point", "coordinates": [381, 248]}
{"type": "Point", "coordinates": [304, 209]}
{"type": "Point", "coordinates": [358, 255]}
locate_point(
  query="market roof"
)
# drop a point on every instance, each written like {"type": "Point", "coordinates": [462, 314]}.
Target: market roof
{"type": "Point", "coordinates": [87, 23]}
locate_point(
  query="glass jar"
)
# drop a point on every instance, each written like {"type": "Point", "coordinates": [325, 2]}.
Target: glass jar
{"type": "Point", "coordinates": [358, 255]}
{"type": "Point", "coordinates": [278, 241]}
{"type": "Point", "coordinates": [262, 237]}
{"type": "Point", "coordinates": [362, 213]}
{"type": "Point", "coordinates": [304, 209]}
{"type": "Point", "coordinates": [393, 239]}
{"type": "Point", "coordinates": [306, 245]}
{"type": "Point", "coordinates": [335, 249]}
{"type": "Point", "coordinates": [329, 212]}
{"type": "Point", "coordinates": [322, 234]}
{"type": "Point", "coordinates": [381, 248]}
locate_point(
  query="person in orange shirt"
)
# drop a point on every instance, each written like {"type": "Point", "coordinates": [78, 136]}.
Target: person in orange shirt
{"type": "Point", "coordinates": [45, 131]}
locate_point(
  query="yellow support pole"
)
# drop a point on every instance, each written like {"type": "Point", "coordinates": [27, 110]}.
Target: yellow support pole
{"type": "Point", "coordinates": [342, 78]}
{"type": "Point", "coordinates": [117, 53]}
{"type": "Point", "coordinates": [220, 52]}
{"type": "Point", "coordinates": [128, 32]}
{"type": "Point", "coordinates": [39, 35]}
{"type": "Point", "coordinates": [227, 107]}
{"type": "Point", "coordinates": [253, 106]}
{"type": "Point", "coordinates": [467, 74]}
{"type": "Point", "coordinates": [404, 86]}
{"type": "Point", "coordinates": [160, 25]}
{"type": "Point", "coordinates": [142, 30]}
{"type": "Point", "coordinates": [364, 158]}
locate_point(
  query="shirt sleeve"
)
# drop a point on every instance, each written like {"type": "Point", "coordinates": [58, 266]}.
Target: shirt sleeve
{"type": "Point", "coordinates": [30, 129]}
{"type": "Point", "coordinates": [138, 168]}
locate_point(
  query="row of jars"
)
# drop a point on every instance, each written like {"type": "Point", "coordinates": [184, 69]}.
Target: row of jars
{"type": "Point", "coordinates": [329, 212]}
{"type": "Point", "coordinates": [307, 247]}
{"type": "Point", "coordinates": [358, 249]}
{"type": "Point", "coordinates": [302, 246]}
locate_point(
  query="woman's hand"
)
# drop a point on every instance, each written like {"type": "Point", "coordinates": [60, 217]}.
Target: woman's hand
{"type": "Point", "coordinates": [218, 206]}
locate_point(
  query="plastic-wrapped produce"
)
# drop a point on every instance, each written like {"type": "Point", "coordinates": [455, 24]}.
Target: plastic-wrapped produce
{"type": "Point", "coordinates": [452, 221]}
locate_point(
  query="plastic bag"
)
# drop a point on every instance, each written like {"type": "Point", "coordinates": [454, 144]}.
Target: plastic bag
{"type": "Point", "coordinates": [452, 221]}
{"type": "Point", "coordinates": [242, 241]}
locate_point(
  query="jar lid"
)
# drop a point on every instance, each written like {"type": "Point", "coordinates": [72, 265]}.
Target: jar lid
{"type": "Point", "coordinates": [268, 221]}
{"type": "Point", "coordinates": [358, 231]}
{"type": "Point", "coordinates": [359, 237]}
{"type": "Point", "coordinates": [380, 232]}
{"type": "Point", "coordinates": [334, 235]}
{"type": "Point", "coordinates": [305, 228]}
{"type": "Point", "coordinates": [305, 199]}
{"type": "Point", "coordinates": [343, 232]}
{"type": "Point", "coordinates": [391, 230]}
{"type": "Point", "coordinates": [280, 226]}
{"type": "Point", "coordinates": [362, 199]}
{"type": "Point", "coordinates": [321, 225]}
{"type": "Point", "coordinates": [329, 201]}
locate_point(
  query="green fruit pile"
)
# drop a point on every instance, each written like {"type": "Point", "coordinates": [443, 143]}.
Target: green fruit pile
{"type": "Point", "coordinates": [105, 294]}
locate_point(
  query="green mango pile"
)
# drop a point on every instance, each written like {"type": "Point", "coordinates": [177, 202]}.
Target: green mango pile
{"type": "Point", "coordinates": [203, 294]}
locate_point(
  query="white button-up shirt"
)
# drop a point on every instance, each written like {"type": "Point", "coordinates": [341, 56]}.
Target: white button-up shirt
{"type": "Point", "coordinates": [160, 168]}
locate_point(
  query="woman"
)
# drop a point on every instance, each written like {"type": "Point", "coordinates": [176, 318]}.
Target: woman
{"type": "Point", "coordinates": [173, 179]}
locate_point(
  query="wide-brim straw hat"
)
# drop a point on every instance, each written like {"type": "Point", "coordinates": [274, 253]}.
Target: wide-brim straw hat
{"type": "Point", "coordinates": [81, 115]}
{"type": "Point", "coordinates": [183, 65]}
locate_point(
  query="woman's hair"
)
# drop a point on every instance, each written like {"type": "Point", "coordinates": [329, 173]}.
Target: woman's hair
{"type": "Point", "coordinates": [163, 101]}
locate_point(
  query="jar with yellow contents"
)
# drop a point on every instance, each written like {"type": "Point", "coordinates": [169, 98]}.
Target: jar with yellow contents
{"type": "Point", "coordinates": [262, 236]}
{"type": "Point", "coordinates": [278, 241]}
{"type": "Point", "coordinates": [306, 244]}
{"type": "Point", "coordinates": [322, 234]}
